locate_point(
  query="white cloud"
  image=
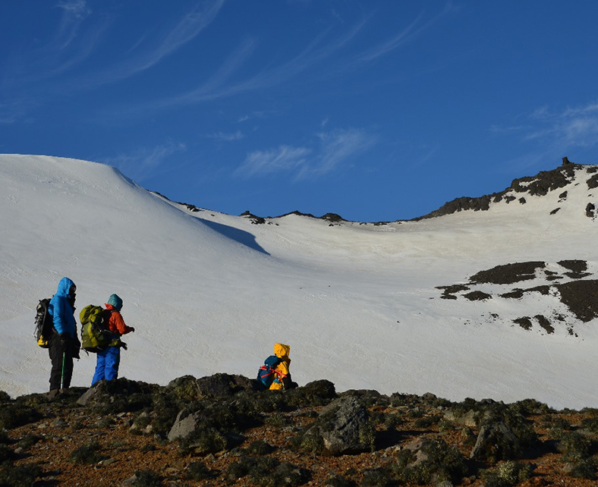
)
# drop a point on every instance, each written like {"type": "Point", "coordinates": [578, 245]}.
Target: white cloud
{"type": "Point", "coordinates": [189, 27]}
{"type": "Point", "coordinates": [226, 137]}
{"type": "Point", "coordinates": [75, 12]}
{"type": "Point", "coordinates": [408, 34]}
{"type": "Point", "coordinates": [322, 49]}
{"type": "Point", "coordinates": [217, 86]}
{"type": "Point", "coordinates": [333, 149]}
{"type": "Point", "coordinates": [573, 127]}
{"type": "Point", "coordinates": [257, 114]}
{"type": "Point", "coordinates": [337, 147]}
{"type": "Point", "coordinates": [555, 133]}
{"type": "Point", "coordinates": [76, 8]}
{"type": "Point", "coordinates": [284, 158]}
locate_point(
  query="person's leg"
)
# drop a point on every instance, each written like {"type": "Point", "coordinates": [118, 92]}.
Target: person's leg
{"type": "Point", "coordinates": [100, 373]}
{"type": "Point", "coordinates": [112, 363]}
{"type": "Point", "coordinates": [67, 367]}
{"type": "Point", "coordinates": [56, 353]}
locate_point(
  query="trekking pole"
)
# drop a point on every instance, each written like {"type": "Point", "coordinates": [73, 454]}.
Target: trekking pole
{"type": "Point", "coordinates": [63, 364]}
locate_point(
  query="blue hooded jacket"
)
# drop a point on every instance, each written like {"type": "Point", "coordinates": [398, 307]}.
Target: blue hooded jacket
{"type": "Point", "coordinates": [62, 311]}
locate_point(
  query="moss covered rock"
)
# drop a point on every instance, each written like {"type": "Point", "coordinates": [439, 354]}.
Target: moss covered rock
{"type": "Point", "coordinates": [344, 426]}
{"type": "Point", "coordinates": [426, 461]}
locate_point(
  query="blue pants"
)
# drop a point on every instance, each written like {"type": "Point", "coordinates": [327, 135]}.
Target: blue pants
{"type": "Point", "coordinates": [107, 365]}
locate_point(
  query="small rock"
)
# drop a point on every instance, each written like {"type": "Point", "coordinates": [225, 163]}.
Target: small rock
{"type": "Point", "coordinates": [59, 424]}
{"type": "Point", "coordinates": [130, 480]}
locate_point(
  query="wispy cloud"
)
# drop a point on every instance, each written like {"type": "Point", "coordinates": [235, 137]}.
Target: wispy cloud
{"type": "Point", "coordinates": [281, 159]}
{"type": "Point", "coordinates": [331, 150]}
{"type": "Point", "coordinates": [144, 57]}
{"type": "Point", "coordinates": [59, 53]}
{"type": "Point", "coordinates": [556, 132]}
{"type": "Point", "coordinates": [226, 137]}
{"type": "Point", "coordinates": [335, 148]}
{"type": "Point", "coordinates": [145, 162]}
{"type": "Point", "coordinates": [572, 127]}
{"type": "Point", "coordinates": [259, 114]}
{"type": "Point", "coordinates": [216, 87]}
{"type": "Point", "coordinates": [406, 35]}
{"type": "Point", "coordinates": [323, 48]}
{"type": "Point", "coordinates": [75, 12]}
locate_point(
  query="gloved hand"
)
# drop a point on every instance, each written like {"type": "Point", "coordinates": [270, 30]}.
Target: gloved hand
{"type": "Point", "coordinates": [131, 329]}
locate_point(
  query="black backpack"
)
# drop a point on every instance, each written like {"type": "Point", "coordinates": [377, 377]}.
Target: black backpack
{"type": "Point", "coordinates": [44, 324]}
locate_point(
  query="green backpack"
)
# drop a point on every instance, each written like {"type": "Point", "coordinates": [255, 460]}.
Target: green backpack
{"type": "Point", "coordinates": [95, 335]}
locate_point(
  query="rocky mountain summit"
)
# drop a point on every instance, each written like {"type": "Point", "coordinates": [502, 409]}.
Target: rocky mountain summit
{"type": "Point", "coordinates": [542, 184]}
{"type": "Point", "coordinates": [222, 430]}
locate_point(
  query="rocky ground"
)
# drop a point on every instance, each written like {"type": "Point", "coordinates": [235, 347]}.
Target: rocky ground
{"type": "Point", "coordinates": [220, 430]}
{"type": "Point", "coordinates": [579, 294]}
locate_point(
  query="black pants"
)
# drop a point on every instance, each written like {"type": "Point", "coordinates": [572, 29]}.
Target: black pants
{"type": "Point", "coordinates": [61, 354]}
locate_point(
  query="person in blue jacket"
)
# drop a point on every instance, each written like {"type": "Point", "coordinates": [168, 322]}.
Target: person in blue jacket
{"type": "Point", "coordinates": [64, 344]}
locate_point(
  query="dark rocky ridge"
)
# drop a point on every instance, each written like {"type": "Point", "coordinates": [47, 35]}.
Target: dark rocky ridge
{"type": "Point", "coordinates": [117, 433]}
{"type": "Point", "coordinates": [539, 185]}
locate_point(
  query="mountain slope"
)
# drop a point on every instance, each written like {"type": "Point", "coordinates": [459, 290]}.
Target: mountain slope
{"type": "Point", "coordinates": [359, 304]}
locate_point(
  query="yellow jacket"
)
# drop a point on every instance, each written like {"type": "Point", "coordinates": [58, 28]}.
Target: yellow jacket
{"type": "Point", "coordinates": [283, 376]}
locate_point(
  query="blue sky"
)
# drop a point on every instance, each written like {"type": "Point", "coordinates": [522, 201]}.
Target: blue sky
{"type": "Point", "coordinates": [376, 110]}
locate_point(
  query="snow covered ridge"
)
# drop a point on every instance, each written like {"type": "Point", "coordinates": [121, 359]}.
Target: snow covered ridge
{"type": "Point", "coordinates": [543, 184]}
{"type": "Point", "coordinates": [521, 189]}
{"type": "Point", "coordinates": [211, 293]}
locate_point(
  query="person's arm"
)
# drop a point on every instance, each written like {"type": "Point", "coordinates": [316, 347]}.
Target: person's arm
{"type": "Point", "coordinates": [120, 324]}
{"type": "Point", "coordinates": [59, 316]}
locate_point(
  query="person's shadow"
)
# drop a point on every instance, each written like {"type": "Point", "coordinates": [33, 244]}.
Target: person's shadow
{"type": "Point", "coordinates": [241, 236]}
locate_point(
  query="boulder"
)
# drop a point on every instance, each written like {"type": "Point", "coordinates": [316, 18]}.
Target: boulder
{"type": "Point", "coordinates": [471, 417]}
{"type": "Point", "coordinates": [496, 441]}
{"type": "Point", "coordinates": [427, 461]}
{"type": "Point", "coordinates": [88, 396]}
{"type": "Point", "coordinates": [224, 385]}
{"type": "Point", "coordinates": [183, 426]}
{"type": "Point", "coordinates": [121, 395]}
{"type": "Point", "coordinates": [344, 426]}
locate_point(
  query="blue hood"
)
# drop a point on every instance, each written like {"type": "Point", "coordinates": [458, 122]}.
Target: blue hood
{"type": "Point", "coordinates": [61, 310]}
{"type": "Point", "coordinates": [64, 287]}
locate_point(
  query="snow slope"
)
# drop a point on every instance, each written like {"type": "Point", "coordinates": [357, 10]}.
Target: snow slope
{"type": "Point", "coordinates": [210, 292]}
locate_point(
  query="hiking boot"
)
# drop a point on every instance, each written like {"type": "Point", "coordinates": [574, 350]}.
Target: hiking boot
{"type": "Point", "coordinates": [52, 394]}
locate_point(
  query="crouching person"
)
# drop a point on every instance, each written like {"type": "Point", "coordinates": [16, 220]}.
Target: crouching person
{"type": "Point", "coordinates": [109, 358]}
{"type": "Point", "coordinates": [282, 375]}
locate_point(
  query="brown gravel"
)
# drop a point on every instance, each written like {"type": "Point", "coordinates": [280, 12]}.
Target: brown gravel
{"type": "Point", "coordinates": [64, 428]}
